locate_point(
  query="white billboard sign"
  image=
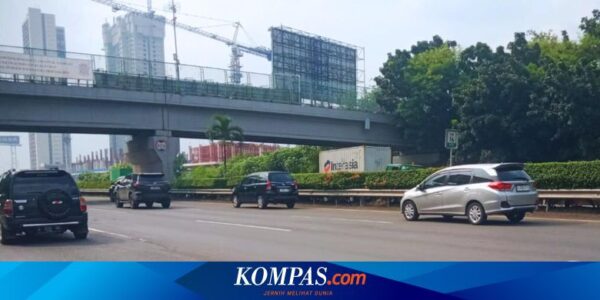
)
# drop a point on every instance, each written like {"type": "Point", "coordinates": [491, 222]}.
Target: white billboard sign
{"type": "Point", "coordinates": [45, 66]}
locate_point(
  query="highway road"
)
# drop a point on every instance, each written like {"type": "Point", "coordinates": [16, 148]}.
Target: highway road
{"type": "Point", "coordinates": [217, 231]}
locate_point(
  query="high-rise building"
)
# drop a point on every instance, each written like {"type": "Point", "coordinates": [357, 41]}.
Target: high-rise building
{"type": "Point", "coordinates": [136, 45]}
{"type": "Point", "coordinates": [133, 44]}
{"type": "Point", "coordinates": [40, 32]}
{"type": "Point", "coordinates": [118, 147]}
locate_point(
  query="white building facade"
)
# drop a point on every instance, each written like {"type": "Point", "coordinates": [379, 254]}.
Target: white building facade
{"type": "Point", "coordinates": [41, 33]}
{"type": "Point", "coordinates": [133, 44]}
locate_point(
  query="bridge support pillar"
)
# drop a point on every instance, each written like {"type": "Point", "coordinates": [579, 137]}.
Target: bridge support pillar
{"type": "Point", "coordinates": [151, 154]}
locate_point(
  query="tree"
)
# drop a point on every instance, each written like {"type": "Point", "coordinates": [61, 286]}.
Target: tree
{"type": "Point", "coordinates": [368, 101]}
{"type": "Point", "coordinates": [180, 159]}
{"type": "Point", "coordinates": [537, 102]}
{"type": "Point", "coordinates": [537, 99]}
{"type": "Point", "coordinates": [223, 130]}
{"type": "Point", "coordinates": [492, 102]}
{"type": "Point", "coordinates": [591, 26]}
{"type": "Point", "coordinates": [417, 87]}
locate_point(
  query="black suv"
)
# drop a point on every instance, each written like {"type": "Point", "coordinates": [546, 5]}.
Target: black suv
{"type": "Point", "coordinates": [144, 188]}
{"type": "Point", "coordinates": [264, 188]}
{"type": "Point", "coordinates": [41, 201]}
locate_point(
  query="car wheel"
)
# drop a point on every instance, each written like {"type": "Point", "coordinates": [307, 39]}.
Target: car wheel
{"type": "Point", "coordinates": [447, 217]}
{"type": "Point", "coordinates": [235, 201]}
{"type": "Point", "coordinates": [80, 235]}
{"type": "Point", "coordinates": [476, 214]}
{"type": "Point", "coordinates": [410, 212]}
{"type": "Point", "coordinates": [515, 217]}
{"type": "Point", "coordinates": [7, 237]}
{"type": "Point", "coordinates": [118, 203]}
{"type": "Point", "coordinates": [148, 204]}
{"type": "Point", "coordinates": [291, 204]}
{"type": "Point", "coordinates": [134, 204]}
{"type": "Point", "coordinates": [112, 197]}
{"type": "Point", "coordinates": [166, 204]}
{"type": "Point", "coordinates": [262, 204]}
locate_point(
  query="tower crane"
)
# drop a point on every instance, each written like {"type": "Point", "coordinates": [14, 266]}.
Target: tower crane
{"type": "Point", "coordinates": [237, 49]}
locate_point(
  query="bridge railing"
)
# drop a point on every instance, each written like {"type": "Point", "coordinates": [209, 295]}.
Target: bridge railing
{"type": "Point", "coordinates": [58, 67]}
{"type": "Point", "coordinates": [66, 68]}
{"type": "Point", "coordinates": [384, 197]}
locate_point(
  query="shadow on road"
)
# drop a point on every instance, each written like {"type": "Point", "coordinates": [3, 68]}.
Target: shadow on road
{"type": "Point", "coordinates": [494, 222]}
{"type": "Point", "coordinates": [59, 240]}
{"type": "Point", "coordinates": [270, 207]}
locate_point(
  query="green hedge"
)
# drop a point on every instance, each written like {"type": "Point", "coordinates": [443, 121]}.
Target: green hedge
{"type": "Point", "coordinates": [567, 175]}
{"type": "Point", "coordinates": [93, 181]}
{"type": "Point", "coordinates": [206, 183]}
{"type": "Point", "coordinates": [553, 175]}
{"type": "Point", "coordinates": [397, 179]}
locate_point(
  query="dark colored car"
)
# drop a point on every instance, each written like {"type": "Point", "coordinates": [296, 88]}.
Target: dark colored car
{"type": "Point", "coordinates": [41, 201]}
{"type": "Point", "coordinates": [144, 188]}
{"type": "Point", "coordinates": [265, 188]}
{"type": "Point", "coordinates": [113, 188]}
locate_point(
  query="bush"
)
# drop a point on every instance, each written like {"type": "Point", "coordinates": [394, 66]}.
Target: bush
{"type": "Point", "coordinates": [553, 175]}
{"type": "Point", "coordinates": [310, 180]}
{"type": "Point", "coordinates": [565, 175]}
{"type": "Point", "coordinates": [94, 181]}
{"type": "Point", "coordinates": [300, 159]}
{"type": "Point", "coordinates": [397, 179]}
{"type": "Point", "coordinates": [200, 183]}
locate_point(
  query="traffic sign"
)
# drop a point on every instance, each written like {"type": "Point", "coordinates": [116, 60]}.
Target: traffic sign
{"type": "Point", "coordinates": [10, 140]}
{"type": "Point", "coordinates": [451, 141]}
{"type": "Point", "coordinates": [160, 145]}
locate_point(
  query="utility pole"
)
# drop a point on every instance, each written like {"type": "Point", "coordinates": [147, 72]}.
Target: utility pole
{"type": "Point", "coordinates": [175, 55]}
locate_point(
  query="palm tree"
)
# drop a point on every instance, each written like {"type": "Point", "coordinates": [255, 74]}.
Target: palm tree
{"type": "Point", "coordinates": [221, 129]}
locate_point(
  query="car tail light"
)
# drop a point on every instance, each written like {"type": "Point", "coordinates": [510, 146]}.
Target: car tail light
{"type": "Point", "coordinates": [295, 184]}
{"type": "Point", "coordinates": [500, 186]}
{"type": "Point", "coordinates": [269, 186]}
{"type": "Point", "coordinates": [82, 204]}
{"type": "Point", "coordinates": [7, 209]}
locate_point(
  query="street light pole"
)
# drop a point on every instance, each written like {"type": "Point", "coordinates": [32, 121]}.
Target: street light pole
{"type": "Point", "coordinates": [175, 55]}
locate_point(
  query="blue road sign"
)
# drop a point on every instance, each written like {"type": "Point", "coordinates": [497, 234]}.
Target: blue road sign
{"type": "Point", "coordinates": [11, 140]}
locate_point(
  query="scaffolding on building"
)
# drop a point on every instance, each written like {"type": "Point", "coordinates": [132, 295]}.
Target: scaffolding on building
{"type": "Point", "coordinates": [332, 73]}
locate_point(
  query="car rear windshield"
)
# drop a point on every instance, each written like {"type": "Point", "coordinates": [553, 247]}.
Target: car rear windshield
{"type": "Point", "coordinates": [43, 182]}
{"type": "Point", "coordinates": [280, 177]}
{"type": "Point", "coordinates": [513, 175]}
{"type": "Point", "coordinates": [151, 178]}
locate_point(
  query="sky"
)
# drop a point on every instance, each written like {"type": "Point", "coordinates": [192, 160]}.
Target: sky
{"type": "Point", "coordinates": [380, 26]}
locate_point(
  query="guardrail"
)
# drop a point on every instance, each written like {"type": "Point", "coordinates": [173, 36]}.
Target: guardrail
{"type": "Point", "coordinates": [577, 194]}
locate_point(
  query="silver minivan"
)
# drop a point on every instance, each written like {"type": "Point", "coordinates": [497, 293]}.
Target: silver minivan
{"type": "Point", "coordinates": [475, 191]}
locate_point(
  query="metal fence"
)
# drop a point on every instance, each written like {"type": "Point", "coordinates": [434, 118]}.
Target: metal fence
{"type": "Point", "coordinates": [378, 198]}
{"type": "Point", "coordinates": [155, 76]}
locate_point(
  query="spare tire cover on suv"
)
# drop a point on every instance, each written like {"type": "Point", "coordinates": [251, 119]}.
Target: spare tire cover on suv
{"type": "Point", "coordinates": [55, 204]}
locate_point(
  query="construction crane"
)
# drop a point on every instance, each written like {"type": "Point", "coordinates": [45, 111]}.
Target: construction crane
{"type": "Point", "coordinates": [237, 49]}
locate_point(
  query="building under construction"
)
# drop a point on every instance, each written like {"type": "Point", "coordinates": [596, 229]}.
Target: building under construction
{"type": "Point", "coordinates": [329, 71]}
{"type": "Point", "coordinates": [313, 69]}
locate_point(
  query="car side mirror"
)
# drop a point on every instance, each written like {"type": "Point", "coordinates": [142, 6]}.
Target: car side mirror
{"type": "Point", "coordinates": [421, 187]}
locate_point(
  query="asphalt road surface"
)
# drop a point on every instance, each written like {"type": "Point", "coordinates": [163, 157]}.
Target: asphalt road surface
{"type": "Point", "coordinates": [217, 231]}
